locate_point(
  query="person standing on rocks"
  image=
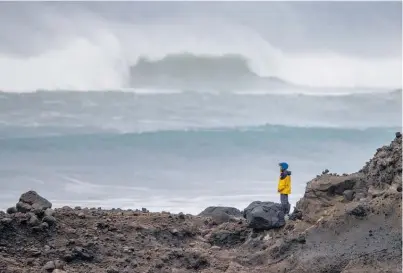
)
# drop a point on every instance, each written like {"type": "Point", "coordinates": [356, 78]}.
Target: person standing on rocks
{"type": "Point", "coordinates": [284, 187]}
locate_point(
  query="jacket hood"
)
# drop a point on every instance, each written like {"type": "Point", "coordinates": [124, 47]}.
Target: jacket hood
{"type": "Point", "coordinates": [284, 174]}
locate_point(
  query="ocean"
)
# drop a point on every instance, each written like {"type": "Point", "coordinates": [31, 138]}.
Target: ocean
{"type": "Point", "coordinates": [182, 151]}
{"type": "Point", "coordinates": [177, 106]}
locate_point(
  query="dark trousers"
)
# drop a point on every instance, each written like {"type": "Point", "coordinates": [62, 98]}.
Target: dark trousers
{"type": "Point", "coordinates": [285, 204]}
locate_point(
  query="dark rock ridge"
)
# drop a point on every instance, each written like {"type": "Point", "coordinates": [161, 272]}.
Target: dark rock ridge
{"type": "Point", "coordinates": [345, 224]}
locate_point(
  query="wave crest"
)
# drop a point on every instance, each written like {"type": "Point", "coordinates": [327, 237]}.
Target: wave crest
{"type": "Point", "coordinates": [196, 72]}
{"type": "Point", "coordinates": [84, 51]}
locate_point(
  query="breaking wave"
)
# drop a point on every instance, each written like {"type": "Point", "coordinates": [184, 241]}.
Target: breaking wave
{"type": "Point", "coordinates": [187, 71]}
{"type": "Point", "coordinates": [81, 50]}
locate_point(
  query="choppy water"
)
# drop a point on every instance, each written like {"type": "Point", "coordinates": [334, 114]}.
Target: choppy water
{"type": "Point", "coordinates": [183, 151]}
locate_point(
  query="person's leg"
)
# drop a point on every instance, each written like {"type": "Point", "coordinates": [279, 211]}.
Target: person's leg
{"type": "Point", "coordinates": [288, 205]}
{"type": "Point", "coordinates": [285, 204]}
{"type": "Point", "coordinates": [284, 201]}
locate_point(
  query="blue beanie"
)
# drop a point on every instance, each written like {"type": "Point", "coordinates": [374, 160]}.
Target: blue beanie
{"type": "Point", "coordinates": [283, 165]}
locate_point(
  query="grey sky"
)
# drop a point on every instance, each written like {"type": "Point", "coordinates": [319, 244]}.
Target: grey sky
{"type": "Point", "coordinates": [370, 29]}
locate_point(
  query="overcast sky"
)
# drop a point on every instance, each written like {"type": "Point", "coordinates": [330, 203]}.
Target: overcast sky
{"type": "Point", "coordinates": [357, 28]}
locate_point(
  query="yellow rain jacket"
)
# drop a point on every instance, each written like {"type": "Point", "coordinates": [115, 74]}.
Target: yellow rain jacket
{"type": "Point", "coordinates": [284, 183]}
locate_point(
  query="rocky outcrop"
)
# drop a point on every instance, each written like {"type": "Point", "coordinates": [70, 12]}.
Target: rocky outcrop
{"type": "Point", "coordinates": [34, 210]}
{"type": "Point", "coordinates": [325, 191]}
{"type": "Point", "coordinates": [31, 201]}
{"type": "Point", "coordinates": [350, 223]}
{"type": "Point", "coordinates": [384, 171]}
{"type": "Point", "coordinates": [381, 175]}
{"type": "Point", "coordinates": [264, 215]}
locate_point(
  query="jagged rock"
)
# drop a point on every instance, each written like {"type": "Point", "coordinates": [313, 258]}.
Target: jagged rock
{"type": "Point", "coordinates": [385, 168]}
{"type": "Point", "coordinates": [49, 266]}
{"type": "Point", "coordinates": [43, 226]}
{"type": "Point", "coordinates": [194, 260]}
{"type": "Point", "coordinates": [59, 264]}
{"type": "Point", "coordinates": [322, 192]}
{"type": "Point", "coordinates": [12, 210]}
{"type": "Point", "coordinates": [50, 220]}
{"type": "Point", "coordinates": [34, 252]}
{"type": "Point", "coordinates": [34, 199]}
{"type": "Point", "coordinates": [81, 215]}
{"type": "Point", "coordinates": [37, 210]}
{"type": "Point", "coordinates": [381, 174]}
{"type": "Point", "coordinates": [144, 210]}
{"type": "Point", "coordinates": [174, 231]}
{"type": "Point", "coordinates": [66, 208]}
{"type": "Point", "coordinates": [348, 195]}
{"type": "Point", "coordinates": [264, 215]}
{"type": "Point", "coordinates": [181, 215]}
{"type": "Point", "coordinates": [228, 238]}
{"type": "Point", "coordinates": [23, 207]}
{"type": "Point", "coordinates": [49, 212]}
{"type": "Point", "coordinates": [6, 221]}
{"type": "Point", "coordinates": [46, 248]}
{"type": "Point", "coordinates": [33, 221]}
{"type": "Point", "coordinates": [112, 269]}
{"type": "Point", "coordinates": [295, 215]}
{"type": "Point", "coordinates": [79, 253]}
{"type": "Point", "coordinates": [360, 210]}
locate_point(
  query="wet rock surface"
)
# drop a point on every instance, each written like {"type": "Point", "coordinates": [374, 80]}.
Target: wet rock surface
{"type": "Point", "coordinates": [346, 224]}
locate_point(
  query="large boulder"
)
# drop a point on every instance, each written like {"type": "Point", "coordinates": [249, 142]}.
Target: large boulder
{"type": "Point", "coordinates": [221, 214]}
{"type": "Point", "coordinates": [211, 211]}
{"type": "Point", "coordinates": [264, 215]}
{"type": "Point", "coordinates": [34, 200]}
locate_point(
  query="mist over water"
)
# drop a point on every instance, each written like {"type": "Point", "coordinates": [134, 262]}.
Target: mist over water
{"type": "Point", "coordinates": [178, 106]}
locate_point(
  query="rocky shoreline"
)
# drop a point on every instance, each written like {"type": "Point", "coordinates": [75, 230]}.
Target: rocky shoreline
{"type": "Point", "coordinates": [344, 223]}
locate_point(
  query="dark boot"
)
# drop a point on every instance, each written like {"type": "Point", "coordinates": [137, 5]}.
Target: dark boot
{"type": "Point", "coordinates": [288, 208]}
